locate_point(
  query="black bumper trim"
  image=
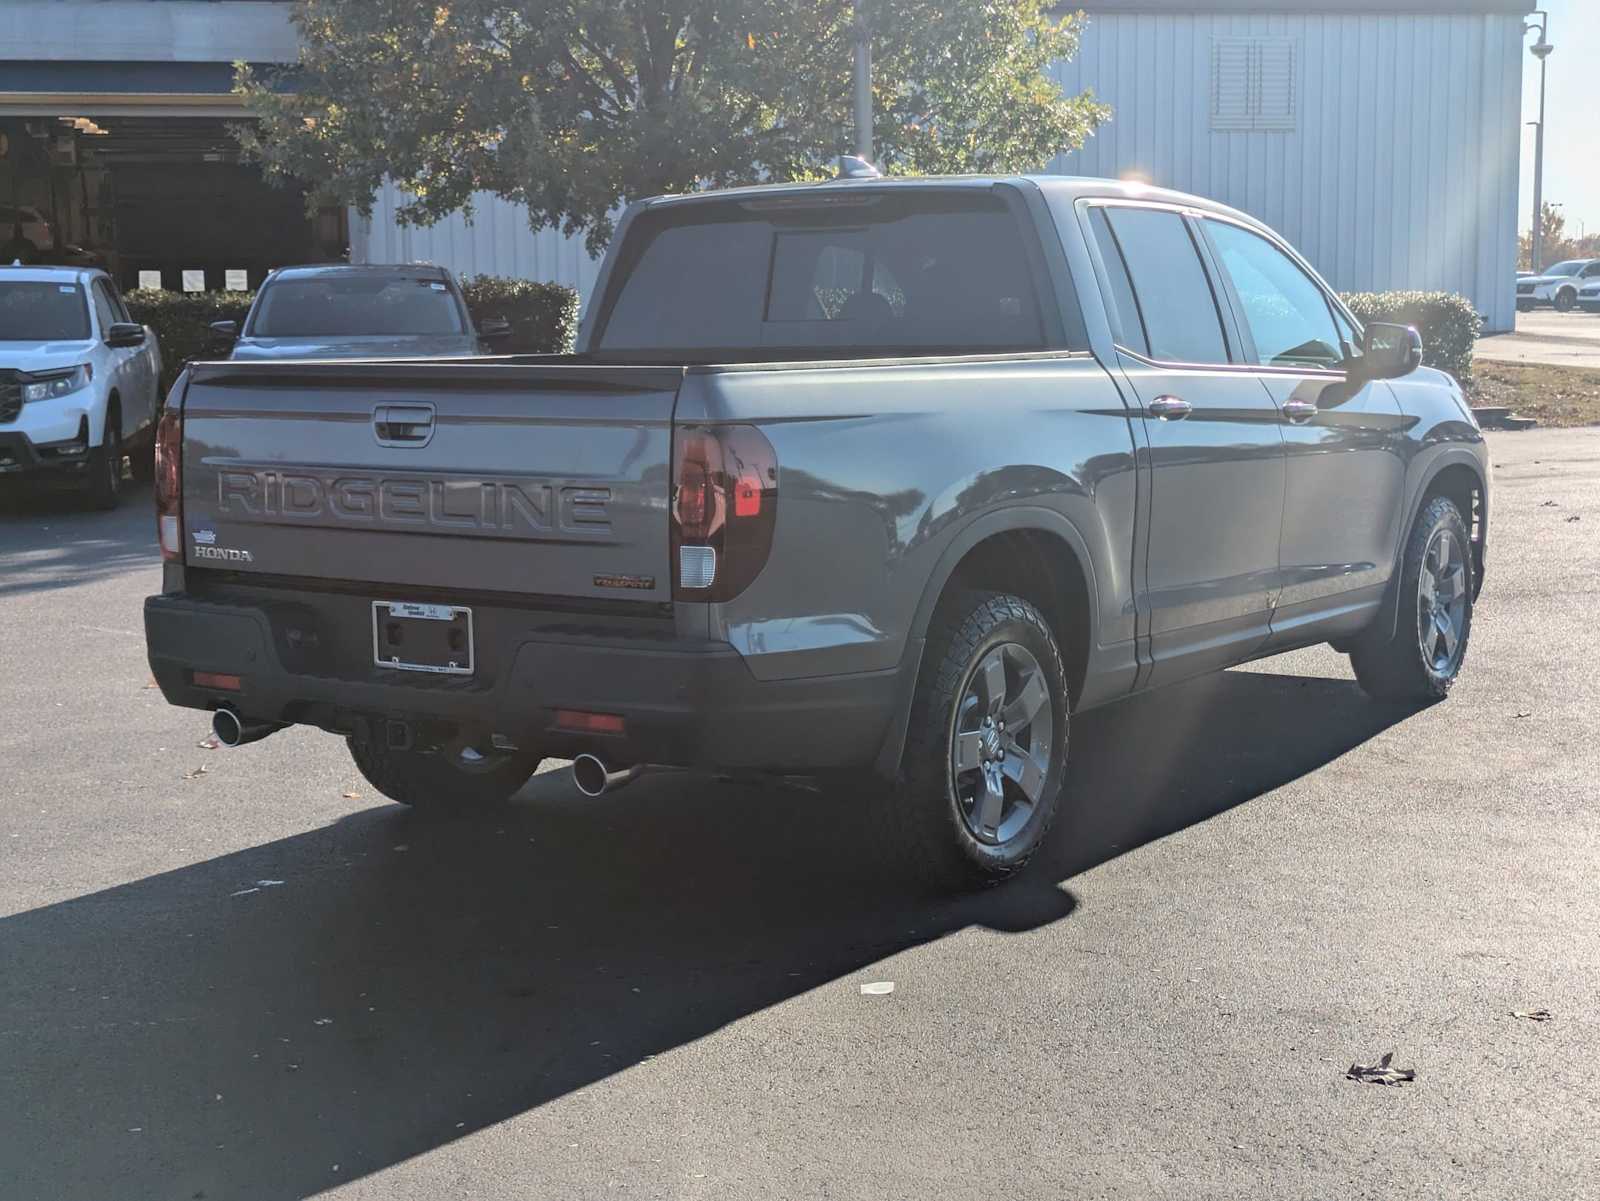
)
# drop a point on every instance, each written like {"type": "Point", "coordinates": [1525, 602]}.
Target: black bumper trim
{"type": "Point", "coordinates": [687, 704]}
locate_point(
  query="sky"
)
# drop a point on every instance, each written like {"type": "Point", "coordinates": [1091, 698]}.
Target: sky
{"type": "Point", "coordinates": [1572, 106]}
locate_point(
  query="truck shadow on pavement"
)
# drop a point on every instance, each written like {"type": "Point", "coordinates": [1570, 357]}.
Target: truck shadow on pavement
{"type": "Point", "coordinates": [210, 1032]}
{"type": "Point", "coordinates": [52, 540]}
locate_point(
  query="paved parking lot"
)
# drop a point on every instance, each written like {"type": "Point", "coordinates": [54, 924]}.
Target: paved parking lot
{"type": "Point", "coordinates": [261, 981]}
{"type": "Point", "coordinates": [1546, 336]}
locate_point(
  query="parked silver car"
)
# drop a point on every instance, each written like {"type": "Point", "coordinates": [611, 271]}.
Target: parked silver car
{"type": "Point", "coordinates": [344, 311]}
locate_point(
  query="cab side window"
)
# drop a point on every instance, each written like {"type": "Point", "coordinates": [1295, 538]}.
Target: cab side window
{"type": "Point", "coordinates": [1288, 316]}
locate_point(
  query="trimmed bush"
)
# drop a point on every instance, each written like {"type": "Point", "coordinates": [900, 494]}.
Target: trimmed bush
{"type": "Point", "coordinates": [543, 317]}
{"type": "Point", "coordinates": [179, 320]}
{"type": "Point", "coordinates": [1448, 323]}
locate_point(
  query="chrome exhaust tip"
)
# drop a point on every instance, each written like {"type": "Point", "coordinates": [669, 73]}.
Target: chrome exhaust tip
{"type": "Point", "coordinates": [594, 778]}
{"type": "Point", "coordinates": [232, 730]}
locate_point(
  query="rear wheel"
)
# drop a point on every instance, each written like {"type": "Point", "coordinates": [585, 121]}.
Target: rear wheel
{"type": "Point", "coordinates": [104, 484]}
{"type": "Point", "coordinates": [1420, 661]}
{"type": "Point", "coordinates": [435, 783]}
{"type": "Point", "coordinates": [1565, 299]}
{"type": "Point", "coordinates": [986, 747]}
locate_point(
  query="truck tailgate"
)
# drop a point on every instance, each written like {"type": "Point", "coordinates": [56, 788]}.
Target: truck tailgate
{"type": "Point", "coordinates": [543, 480]}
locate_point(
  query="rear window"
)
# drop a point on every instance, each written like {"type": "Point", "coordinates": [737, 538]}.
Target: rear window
{"type": "Point", "coordinates": [874, 275]}
{"type": "Point", "coordinates": [42, 312]}
{"type": "Point", "coordinates": [359, 304]}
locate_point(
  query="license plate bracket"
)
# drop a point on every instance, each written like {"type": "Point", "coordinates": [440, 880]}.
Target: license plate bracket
{"type": "Point", "coordinates": [416, 636]}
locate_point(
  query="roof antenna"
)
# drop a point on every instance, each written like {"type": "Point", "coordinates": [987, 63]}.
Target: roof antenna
{"type": "Point", "coordinates": [854, 167]}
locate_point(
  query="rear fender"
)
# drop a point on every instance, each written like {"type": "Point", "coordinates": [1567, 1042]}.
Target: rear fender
{"type": "Point", "coordinates": [1006, 520]}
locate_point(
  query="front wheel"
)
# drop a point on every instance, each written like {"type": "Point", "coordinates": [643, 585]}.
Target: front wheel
{"type": "Point", "coordinates": [104, 484]}
{"type": "Point", "coordinates": [433, 783]}
{"type": "Point", "coordinates": [986, 748]}
{"type": "Point", "coordinates": [1420, 661]}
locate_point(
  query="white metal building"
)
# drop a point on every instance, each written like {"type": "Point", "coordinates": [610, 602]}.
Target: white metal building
{"type": "Point", "coordinates": [1380, 136]}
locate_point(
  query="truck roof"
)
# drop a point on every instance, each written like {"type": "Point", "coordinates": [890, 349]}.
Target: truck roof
{"type": "Point", "coordinates": [1072, 187]}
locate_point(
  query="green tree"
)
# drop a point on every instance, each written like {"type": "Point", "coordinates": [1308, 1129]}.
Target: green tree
{"type": "Point", "coordinates": [570, 106]}
{"type": "Point", "coordinates": [1553, 246]}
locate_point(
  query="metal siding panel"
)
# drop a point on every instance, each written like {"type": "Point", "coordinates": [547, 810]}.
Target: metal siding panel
{"type": "Point", "coordinates": [1376, 182]}
{"type": "Point", "coordinates": [1510, 42]}
{"type": "Point", "coordinates": [1387, 171]}
{"type": "Point", "coordinates": [496, 242]}
{"type": "Point", "coordinates": [1421, 117]}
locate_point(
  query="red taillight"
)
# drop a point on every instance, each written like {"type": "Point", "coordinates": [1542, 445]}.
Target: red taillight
{"type": "Point", "coordinates": [169, 483]}
{"type": "Point", "coordinates": [724, 509]}
{"type": "Point", "coordinates": [213, 679]}
{"type": "Point", "coordinates": [580, 722]}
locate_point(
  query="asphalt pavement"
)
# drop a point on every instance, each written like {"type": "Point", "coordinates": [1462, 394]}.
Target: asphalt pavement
{"type": "Point", "coordinates": [1570, 339]}
{"type": "Point", "coordinates": [240, 974]}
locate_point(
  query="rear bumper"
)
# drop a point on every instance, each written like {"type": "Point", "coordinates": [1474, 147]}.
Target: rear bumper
{"type": "Point", "coordinates": [307, 660]}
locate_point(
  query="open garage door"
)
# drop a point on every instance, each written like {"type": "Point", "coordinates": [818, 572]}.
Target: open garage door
{"type": "Point", "coordinates": [151, 196]}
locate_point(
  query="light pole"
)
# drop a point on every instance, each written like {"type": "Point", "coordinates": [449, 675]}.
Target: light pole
{"type": "Point", "coordinates": [863, 89]}
{"type": "Point", "coordinates": [1541, 51]}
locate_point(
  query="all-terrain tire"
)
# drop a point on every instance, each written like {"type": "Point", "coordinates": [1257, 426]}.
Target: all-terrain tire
{"type": "Point", "coordinates": [429, 782]}
{"type": "Point", "coordinates": [1392, 665]}
{"type": "Point", "coordinates": [921, 824]}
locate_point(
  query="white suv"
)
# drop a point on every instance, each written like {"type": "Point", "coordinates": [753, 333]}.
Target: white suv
{"type": "Point", "coordinates": [1558, 286]}
{"type": "Point", "coordinates": [78, 381]}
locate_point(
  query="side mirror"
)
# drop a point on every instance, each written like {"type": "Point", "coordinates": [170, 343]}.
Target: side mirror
{"type": "Point", "coordinates": [125, 333]}
{"type": "Point", "coordinates": [494, 329]}
{"type": "Point", "coordinates": [225, 331]}
{"type": "Point", "coordinates": [1389, 351]}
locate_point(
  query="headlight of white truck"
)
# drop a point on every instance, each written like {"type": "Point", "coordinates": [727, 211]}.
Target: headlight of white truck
{"type": "Point", "coordinates": [58, 383]}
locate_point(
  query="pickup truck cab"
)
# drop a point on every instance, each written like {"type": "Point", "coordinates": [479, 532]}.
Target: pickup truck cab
{"type": "Point", "coordinates": [879, 481]}
{"type": "Point", "coordinates": [344, 311]}
{"type": "Point", "coordinates": [79, 381]}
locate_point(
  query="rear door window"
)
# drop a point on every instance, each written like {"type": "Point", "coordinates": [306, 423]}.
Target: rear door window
{"type": "Point", "coordinates": [875, 274]}
{"type": "Point", "coordinates": [1175, 303]}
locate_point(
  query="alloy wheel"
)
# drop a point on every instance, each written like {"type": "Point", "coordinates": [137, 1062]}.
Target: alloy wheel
{"type": "Point", "coordinates": [1442, 603]}
{"type": "Point", "coordinates": [1000, 743]}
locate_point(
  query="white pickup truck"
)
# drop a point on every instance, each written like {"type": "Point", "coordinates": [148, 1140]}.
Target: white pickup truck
{"type": "Point", "coordinates": [78, 381]}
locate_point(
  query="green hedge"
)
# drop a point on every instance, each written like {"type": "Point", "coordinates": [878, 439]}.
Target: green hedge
{"type": "Point", "coordinates": [543, 317]}
{"type": "Point", "coordinates": [180, 321]}
{"type": "Point", "coordinates": [1448, 323]}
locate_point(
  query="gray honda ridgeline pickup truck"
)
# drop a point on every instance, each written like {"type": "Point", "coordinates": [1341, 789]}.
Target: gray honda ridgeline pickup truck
{"type": "Point", "coordinates": [864, 480]}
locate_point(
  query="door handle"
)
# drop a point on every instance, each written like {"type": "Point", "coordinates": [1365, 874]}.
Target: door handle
{"type": "Point", "coordinates": [1170, 408]}
{"type": "Point", "coordinates": [403, 425]}
{"type": "Point", "coordinates": [1300, 410]}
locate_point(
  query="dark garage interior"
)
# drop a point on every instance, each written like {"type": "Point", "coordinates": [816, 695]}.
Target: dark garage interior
{"type": "Point", "coordinates": [159, 193]}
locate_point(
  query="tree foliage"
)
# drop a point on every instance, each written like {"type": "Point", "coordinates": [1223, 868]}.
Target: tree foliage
{"type": "Point", "coordinates": [1555, 245]}
{"type": "Point", "coordinates": [572, 106]}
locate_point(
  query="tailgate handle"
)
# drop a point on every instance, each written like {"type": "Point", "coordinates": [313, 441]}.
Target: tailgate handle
{"type": "Point", "coordinates": [403, 425]}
